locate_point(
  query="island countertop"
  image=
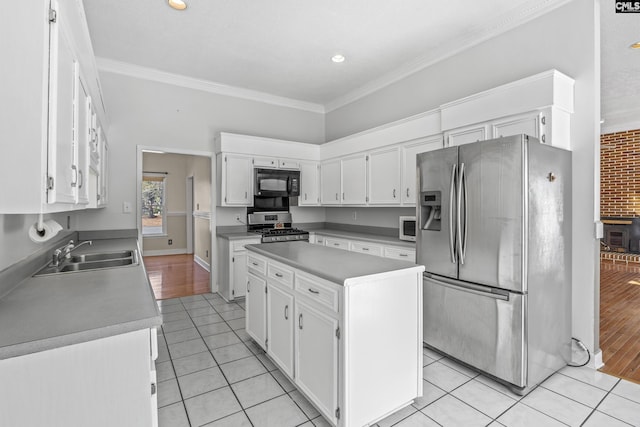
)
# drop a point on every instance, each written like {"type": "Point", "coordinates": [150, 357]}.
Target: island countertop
{"type": "Point", "coordinates": [335, 265]}
{"type": "Point", "coordinates": [46, 312]}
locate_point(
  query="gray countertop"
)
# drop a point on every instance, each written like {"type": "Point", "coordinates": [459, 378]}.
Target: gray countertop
{"type": "Point", "coordinates": [335, 265]}
{"type": "Point", "coordinates": [369, 237]}
{"type": "Point", "coordinates": [52, 311]}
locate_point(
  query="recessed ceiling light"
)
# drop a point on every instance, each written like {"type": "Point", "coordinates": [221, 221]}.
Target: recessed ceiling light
{"type": "Point", "coordinates": [177, 4]}
{"type": "Point", "coordinates": [337, 58]}
{"type": "Point", "coordinates": [636, 45]}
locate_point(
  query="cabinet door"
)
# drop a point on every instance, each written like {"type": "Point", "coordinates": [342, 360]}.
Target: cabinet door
{"type": "Point", "coordinates": [239, 274]}
{"type": "Point", "coordinates": [467, 135]}
{"type": "Point", "coordinates": [84, 135]}
{"type": "Point", "coordinates": [528, 124]}
{"type": "Point", "coordinates": [256, 309]}
{"type": "Point", "coordinates": [63, 75]}
{"type": "Point", "coordinates": [280, 328]}
{"type": "Point", "coordinates": [354, 180]}
{"type": "Point", "coordinates": [409, 166]}
{"type": "Point", "coordinates": [309, 184]}
{"type": "Point", "coordinates": [384, 177]}
{"type": "Point", "coordinates": [330, 182]}
{"type": "Point", "coordinates": [237, 176]}
{"type": "Point", "coordinates": [317, 358]}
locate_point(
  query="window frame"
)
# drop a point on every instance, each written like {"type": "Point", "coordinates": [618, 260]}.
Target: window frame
{"type": "Point", "coordinates": [161, 178]}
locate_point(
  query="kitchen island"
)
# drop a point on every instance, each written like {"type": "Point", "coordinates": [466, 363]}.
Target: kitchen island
{"type": "Point", "coordinates": [345, 327]}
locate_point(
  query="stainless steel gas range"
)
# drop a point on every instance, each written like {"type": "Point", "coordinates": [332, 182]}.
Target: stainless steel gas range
{"type": "Point", "coordinates": [275, 227]}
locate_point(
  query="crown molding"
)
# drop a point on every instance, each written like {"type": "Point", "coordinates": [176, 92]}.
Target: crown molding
{"type": "Point", "coordinates": [454, 47]}
{"type": "Point", "coordinates": [128, 69]}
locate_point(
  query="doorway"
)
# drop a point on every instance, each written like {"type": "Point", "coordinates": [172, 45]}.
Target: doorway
{"type": "Point", "coordinates": [175, 192]}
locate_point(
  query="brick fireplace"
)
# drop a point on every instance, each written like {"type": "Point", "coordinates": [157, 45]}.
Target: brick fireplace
{"type": "Point", "coordinates": [620, 195]}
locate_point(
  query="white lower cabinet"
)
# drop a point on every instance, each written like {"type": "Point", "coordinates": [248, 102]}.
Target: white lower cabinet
{"type": "Point", "coordinates": [100, 383]}
{"type": "Point", "coordinates": [256, 307]}
{"type": "Point", "coordinates": [232, 275]}
{"type": "Point", "coordinates": [280, 317]}
{"type": "Point", "coordinates": [317, 358]}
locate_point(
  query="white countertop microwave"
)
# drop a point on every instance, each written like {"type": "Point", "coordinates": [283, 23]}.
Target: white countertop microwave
{"type": "Point", "coordinates": [408, 228]}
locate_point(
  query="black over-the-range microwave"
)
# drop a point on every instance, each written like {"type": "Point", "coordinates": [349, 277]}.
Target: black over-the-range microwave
{"type": "Point", "coordinates": [276, 183]}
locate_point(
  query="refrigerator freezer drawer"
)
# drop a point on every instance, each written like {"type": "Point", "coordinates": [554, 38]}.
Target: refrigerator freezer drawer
{"type": "Point", "coordinates": [482, 329]}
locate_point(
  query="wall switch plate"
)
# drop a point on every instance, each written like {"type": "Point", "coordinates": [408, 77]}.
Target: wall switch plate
{"type": "Point", "coordinates": [126, 207]}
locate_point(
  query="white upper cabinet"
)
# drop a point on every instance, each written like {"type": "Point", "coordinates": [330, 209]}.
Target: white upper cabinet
{"type": "Point", "coordinates": [309, 184]}
{"type": "Point", "coordinates": [467, 135]}
{"type": "Point", "coordinates": [235, 178]}
{"type": "Point", "coordinates": [330, 183]}
{"type": "Point", "coordinates": [48, 75]}
{"type": "Point", "coordinates": [409, 165]}
{"type": "Point", "coordinates": [354, 179]}
{"type": "Point", "coordinates": [384, 177]}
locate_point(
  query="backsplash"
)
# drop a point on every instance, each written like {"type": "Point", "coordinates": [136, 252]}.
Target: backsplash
{"type": "Point", "coordinates": [620, 174]}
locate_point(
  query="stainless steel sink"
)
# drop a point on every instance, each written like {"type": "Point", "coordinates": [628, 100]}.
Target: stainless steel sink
{"type": "Point", "coordinates": [101, 256]}
{"type": "Point", "coordinates": [94, 261]}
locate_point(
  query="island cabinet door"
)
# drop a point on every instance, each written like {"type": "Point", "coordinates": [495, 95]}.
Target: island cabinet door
{"type": "Point", "coordinates": [256, 302]}
{"type": "Point", "coordinates": [317, 358]}
{"type": "Point", "coordinates": [280, 328]}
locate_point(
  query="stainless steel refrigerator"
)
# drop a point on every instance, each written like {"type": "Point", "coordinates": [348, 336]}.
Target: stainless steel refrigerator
{"type": "Point", "coordinates": [495, 237]}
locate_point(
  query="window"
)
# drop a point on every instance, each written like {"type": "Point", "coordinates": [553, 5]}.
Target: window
{"type": "Point", "coordinates": [154, 214]}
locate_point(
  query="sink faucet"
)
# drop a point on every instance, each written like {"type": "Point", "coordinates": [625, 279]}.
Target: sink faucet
{"type": "Point", "coordinates": [64, 251]}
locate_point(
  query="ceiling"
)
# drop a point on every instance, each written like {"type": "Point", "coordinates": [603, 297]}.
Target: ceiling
{"type": "Point", "coordinates": [281, 49]}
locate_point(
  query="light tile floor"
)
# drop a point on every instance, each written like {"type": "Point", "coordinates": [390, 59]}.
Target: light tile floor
{"type": "Point", "coordinates": [211, 373]}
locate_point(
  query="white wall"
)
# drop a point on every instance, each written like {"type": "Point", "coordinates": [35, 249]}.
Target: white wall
{"type": "Point", "coordinates": [157, 114]}
{"type": "Point", "coordinates": [16, 244]}
{"type": "Point", "coordinates": [566, 39]}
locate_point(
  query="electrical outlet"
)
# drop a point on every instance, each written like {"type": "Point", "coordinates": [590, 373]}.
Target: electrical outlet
{"type": "Point", "coordinates": [126, 207]}
{"type": "Point", "coordinates": [238, 218]}
{"type": "Point", "coordinates": [171, 241]}
{"type": "Point", "coordinates": [198, 206]}
{"type": "Point", "coordinates": [206, 254]}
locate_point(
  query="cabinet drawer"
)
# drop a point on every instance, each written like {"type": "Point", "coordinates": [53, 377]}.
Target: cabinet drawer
{"type": "Point", "coordinates": [257, 265]}
{"type": "Point", "coordinates": [289, 164]}
{"type": "Point", "coordinates": [265, 162]}
{"type": "Point", "coordinates": [238, 245]}
{"type": "Point", "coordinates": [367, 248]}
{"type": "Point", "coordinates": [400, 253]}
{"type": "Point", "coordinates": [319, 240]}
{"type": "Point", "coordinates": [280, 273]}
{"type": "Point", "coordinates": [319, 291]}
{"type": "Point", "coordinates": [333, 242]}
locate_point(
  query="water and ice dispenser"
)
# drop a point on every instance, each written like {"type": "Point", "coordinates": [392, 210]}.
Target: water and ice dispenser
{"type": "Point", "coordinates": [430, 210]}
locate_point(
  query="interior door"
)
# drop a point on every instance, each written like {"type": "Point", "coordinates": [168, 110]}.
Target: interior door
{"type": "Point", "coordinates": [492, 174]}
{"type": "Point", "coordinates": [436, 208]}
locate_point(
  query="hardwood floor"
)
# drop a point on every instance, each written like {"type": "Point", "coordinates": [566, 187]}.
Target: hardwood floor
{"type": "Point", "coordinates": [173, 276]}
{"type": "Point", "coordinates": [620, 320]}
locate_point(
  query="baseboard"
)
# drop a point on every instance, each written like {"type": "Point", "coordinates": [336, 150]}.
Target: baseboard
{"type": "Point", "coordinates": [202, 263]}
{"type": "Point", "coordinates": [165, 252]}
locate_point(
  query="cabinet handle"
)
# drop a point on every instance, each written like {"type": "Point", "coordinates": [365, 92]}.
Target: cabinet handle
{"type": "Point", "coordinates": [394, 193]}
{"type": "Point", "coordinates": [313, 291]}
{"type": "Point", "coordinates": [336, 244]}
{"type": "Point", "coordinates": [305, 196]}
{"type": "Point", "coordinates": [81, 179]}
{"type": "Point", "coordinates": [365, 249]}
{"type": "Point", "coordinates": [279, 275]}
{"type": "Point", "coordinates": [405, 255]}
{"type": "Point", "coordinates": [248, 286]}
{"type": "Point", "coordinates": [245, 194]}
{"type": "Point", "coordinates": [407, 191]}
{"type": "Point", "coordinates": [336, 196]}
{"type": "Point", "coordinates": [300, 321]}
{"type": "Point", "coordinates": [286, 312]}
{"type": "Point", "coordinates": [255, 263]}
{"type": "Point", "coordinates": [343, 196]}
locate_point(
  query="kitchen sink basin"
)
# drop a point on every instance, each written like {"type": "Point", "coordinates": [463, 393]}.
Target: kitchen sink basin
{"type": "Point", "coordinates": [94, 261]}
{"type": "Point", "coordinates": [101, 256]}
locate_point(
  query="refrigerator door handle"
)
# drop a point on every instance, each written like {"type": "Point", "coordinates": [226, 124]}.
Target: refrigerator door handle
{"type": "Point", "coordinates": [461, 189]}
{"type": "Point", "coordinates": [452, 187]}
{"type": "Point", "coordinates": [463, 179]}
{"type": "Point", "coordinates": [469, 288]}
